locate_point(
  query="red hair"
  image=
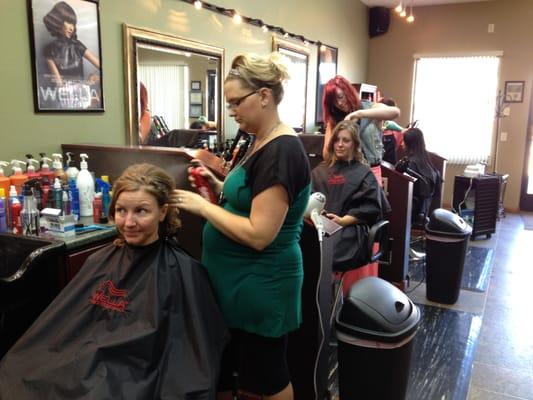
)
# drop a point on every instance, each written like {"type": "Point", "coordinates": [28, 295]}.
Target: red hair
{"type": "Point", "coordinates": [330, 111]}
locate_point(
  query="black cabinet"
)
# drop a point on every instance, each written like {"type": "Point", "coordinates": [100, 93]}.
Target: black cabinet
{"type": "Point", "coordinates": [477, 200]}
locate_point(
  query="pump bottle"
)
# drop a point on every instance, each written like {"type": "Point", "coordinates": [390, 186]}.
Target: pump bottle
{"type": "Point", "coordinates": [85, 185]}
{"type": "Point", "coordinates": [57, 165]}
{"type": "Point", "coordinates": [5, 182]}
{"type": "Point", "coordinates": [16, 225]}
{"type": "Point", "coordinates": [58, 194]}
{"type": "Point", "coordinates": [30, 171]}
{"type": "Point", "coordinates": [18, 178]}
{"type": "Point", "coordinates": [72, 172]}
{"type": "Point", "coordinates": [45, 170]}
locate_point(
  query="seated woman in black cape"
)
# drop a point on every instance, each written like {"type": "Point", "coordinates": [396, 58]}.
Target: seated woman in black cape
{"type": "Point", "coordinates": [139, 321]}
{"type": "Point", "coordinates": [354, 199]}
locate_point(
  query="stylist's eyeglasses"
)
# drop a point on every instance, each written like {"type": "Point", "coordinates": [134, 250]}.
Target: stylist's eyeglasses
{"type": "Point", "coordinates": [232, 105]}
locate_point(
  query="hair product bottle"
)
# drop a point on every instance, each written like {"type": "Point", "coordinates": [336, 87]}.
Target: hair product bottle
{"type": "Point", "coordinates": [85, 185]}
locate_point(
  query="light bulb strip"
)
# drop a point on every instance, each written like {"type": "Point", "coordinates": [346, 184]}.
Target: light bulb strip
{"type": "Point", "coordinates": [229, 12]}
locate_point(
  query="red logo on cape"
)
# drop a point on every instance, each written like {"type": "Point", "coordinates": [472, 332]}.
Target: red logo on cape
{"type": "Point", "coordinates": [108, 296]}
{"type": "Point", "coordinates": [336, 180]}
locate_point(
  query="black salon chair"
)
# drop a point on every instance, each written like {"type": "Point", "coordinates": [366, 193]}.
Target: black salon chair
{"type": "Point", "coordinates": [419, 217]}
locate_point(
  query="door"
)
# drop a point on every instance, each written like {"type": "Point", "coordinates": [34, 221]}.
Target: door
{"type": "Point", "coordinates": [526, 198]}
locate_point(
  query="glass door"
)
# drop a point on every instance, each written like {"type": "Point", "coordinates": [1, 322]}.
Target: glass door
{"type": "Point", "coordinates": [526, 198]}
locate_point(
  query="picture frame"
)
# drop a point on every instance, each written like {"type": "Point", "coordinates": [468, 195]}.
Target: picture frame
{"type": "Point", "coordinates": [195, 97]}
{"type": "Point", "coordinates": [292, 108]}
{"type": "Point", "coordinates": [195, 110]}
{"type": "Point", "coordinates": [326, 69]}
{"type": "Point", "coordinates": [66, 58]}
{"type": "Point", "coordinates": [196, 85]}
{"type": "Point", "coordinates": [514, 91]}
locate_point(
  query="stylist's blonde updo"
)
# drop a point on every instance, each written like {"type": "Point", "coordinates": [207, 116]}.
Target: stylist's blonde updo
{"type": "Point", "coordinates": [256, 72]}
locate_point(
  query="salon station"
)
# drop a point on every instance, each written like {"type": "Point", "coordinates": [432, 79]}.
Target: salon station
{"type": "Point", "coordinates": [440, 315]}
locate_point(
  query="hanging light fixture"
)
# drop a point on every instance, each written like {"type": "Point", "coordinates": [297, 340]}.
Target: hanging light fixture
{"type": "Point", "coordinates": [411, 17]}
{"type": "Point", "coordinates": [237, 18]}
{"type": "Point", "coordinates": [198, 4]}
{"type": "Point", "coordinates": [399, 8]}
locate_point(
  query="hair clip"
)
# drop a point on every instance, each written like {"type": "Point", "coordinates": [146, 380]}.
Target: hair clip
{"type": "Point", "coordinates": [234, 72]}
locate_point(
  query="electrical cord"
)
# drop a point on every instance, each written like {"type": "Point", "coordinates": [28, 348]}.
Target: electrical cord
{"type": "Point", "coordinates": [321, 323]}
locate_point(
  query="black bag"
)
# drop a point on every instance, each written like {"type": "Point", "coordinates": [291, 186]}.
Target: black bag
{"type": "Point", "coordinates": [350, 248]}
{"type": "Point", "coordinates": [389, 149]}
{"type": "Point", "coordinates": [134, 323]}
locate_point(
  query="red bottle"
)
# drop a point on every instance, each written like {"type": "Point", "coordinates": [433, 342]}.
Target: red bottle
{"type": "Point", "coordinates": [202, 186]}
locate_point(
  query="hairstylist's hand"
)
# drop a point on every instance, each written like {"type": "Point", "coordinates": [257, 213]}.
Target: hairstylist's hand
{"type": "Point", "coordinates": [188, 201]}
{"type": "Point", "coordinates": [353, 116]}
{"type": "Point", "coordinates": [205, 172]}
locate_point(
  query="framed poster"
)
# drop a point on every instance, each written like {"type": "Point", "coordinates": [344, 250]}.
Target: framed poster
{"type": "Point", "coordinates": [514, 91]}
{"type": "Point", "coordinates": [195, 110]}
{"type": "Point", "coordinates": [326, 69]}
{"type": "Point", "coordinates": [195, 97]}
{"type": "Point", "coordinates": [196, 85]}
{"type": "Point", "coordinates": [66, 55]}
{"type": "Point", "coordinates": [292, 108]}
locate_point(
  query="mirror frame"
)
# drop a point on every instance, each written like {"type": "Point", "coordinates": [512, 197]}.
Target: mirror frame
{"type": "Point", "coordinates": [133, 36]}
{"type": "Point", "coordinates": [277, 44]}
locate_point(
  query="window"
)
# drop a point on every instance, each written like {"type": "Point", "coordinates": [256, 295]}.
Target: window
{"type": "Point", "coordinates": [168, 92]}
{"type": "Point", "coordinates": [454, 101]}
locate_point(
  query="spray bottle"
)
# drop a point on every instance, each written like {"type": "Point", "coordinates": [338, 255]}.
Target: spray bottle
{"type": "Point", "coordinates": [202, 186]}
{"type": "Point", "coordinates": [3, 208]}
{"type": "Point", "coordinates": [85, 185]}
{"type": "Point", "coordinates": [5, 182]}
{"type": "Point", "coordinates": [57, 165]}
{"type": "Point", "coordinates": [72, 172]}
{"type": "Point", "coordinates": [18, 178]}
{"type": "Point", "coordinates": [29, 215]}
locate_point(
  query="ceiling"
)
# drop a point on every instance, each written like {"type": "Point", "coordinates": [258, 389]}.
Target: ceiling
{"type": "Point", "coordinates": [416, 3]}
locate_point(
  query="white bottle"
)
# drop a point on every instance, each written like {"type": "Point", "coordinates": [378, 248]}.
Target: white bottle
{"type": "Point", "coordinates": [85, 185]}
{"type": "Point", "coordinates": [72, 172]}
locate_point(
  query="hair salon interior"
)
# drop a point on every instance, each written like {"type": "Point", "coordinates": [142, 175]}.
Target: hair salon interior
{"type": "Point", "coordinates": [476, 344]}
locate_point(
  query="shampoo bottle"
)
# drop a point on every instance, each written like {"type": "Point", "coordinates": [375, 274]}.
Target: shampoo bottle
{"type": "Point", "coordinates": [57, 165]}
{"type": "Point", "coordinates": [85, 185]}
{"type": "Point", "coordinates": [45, 169]}
{"type": "Point", "coordinates": [18, 178]}
{"type": "Point", "coordinates": [29, 215]}
{"type": "Point", "coordinates": [5, 182]}
{"type": "Point", "coordinates": [72, 172]}
{"type": "Point", "coordinates": [58, 194]}
{"type": "Point", "coordinates": [16, 225]}
{"type": "Point", "coordinates": [30, 171]}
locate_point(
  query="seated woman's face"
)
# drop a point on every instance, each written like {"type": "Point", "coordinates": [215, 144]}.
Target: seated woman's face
{"type": "Point", "coordinates": [343, 146]}
{"type": "Point", "coordinates": [137, 217]}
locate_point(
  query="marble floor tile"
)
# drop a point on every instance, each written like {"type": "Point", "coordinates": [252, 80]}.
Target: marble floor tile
{"type": "Point", "coordinates": [476, 393]}
{"type": "Point", "coordinates": [508, 381]}
{"type": "Point", "coordinates": [443, 352]}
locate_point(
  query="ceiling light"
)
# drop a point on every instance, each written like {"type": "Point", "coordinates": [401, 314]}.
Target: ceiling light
{"type": "Point", "coordinates": [399, 8]}
{"type": "Point", "coordinates": [237, 18]}
{"type": "Point", "coordinates": [198, 4]}
{"type": "Point", "coordinates": [264, 28]}
{"type": "Point", "coordinates": [403, 13]}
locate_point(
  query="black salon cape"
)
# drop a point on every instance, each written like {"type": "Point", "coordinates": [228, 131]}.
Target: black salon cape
{"type": "Point", "coordinates": [350, 188]}
{"type": "Point", "coordinates": [135, 323]}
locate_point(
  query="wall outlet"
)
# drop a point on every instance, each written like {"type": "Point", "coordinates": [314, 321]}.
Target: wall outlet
{"type": "Point", "coordinates": [503, 137]}
{"type": "Point", "coordinates": [491, 28]}
{"type": "Point", "coordinates": [507, 111]}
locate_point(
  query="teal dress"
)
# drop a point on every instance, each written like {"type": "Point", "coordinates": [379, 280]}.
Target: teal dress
{"type": "Point", "coordinates": [260, 291]}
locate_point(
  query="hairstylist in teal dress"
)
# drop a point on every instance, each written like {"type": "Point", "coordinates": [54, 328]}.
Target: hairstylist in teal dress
{"type": "Point", "coordinates": [250, 240]}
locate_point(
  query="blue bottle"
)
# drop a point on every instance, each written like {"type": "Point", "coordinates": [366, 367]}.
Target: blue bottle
{"type": "Point", "coordinates": [74, 197]}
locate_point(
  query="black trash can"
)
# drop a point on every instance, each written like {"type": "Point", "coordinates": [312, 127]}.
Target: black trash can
{"type": "Point", "coordinates": [375, 327]}
{"type": "Point", "coordinates": [447, 237]}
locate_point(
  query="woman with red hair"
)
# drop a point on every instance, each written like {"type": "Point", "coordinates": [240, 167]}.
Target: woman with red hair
{"type": "Point", "coordinates": [341, 101]}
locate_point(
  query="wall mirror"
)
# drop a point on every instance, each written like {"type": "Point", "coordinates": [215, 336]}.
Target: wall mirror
{"type": "Point", "coordinates": [293, 106]}
{"type": "Point", "coordinates": [183, 80]}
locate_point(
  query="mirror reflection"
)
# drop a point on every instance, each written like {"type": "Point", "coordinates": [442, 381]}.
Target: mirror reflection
{"type": "Point", "coordinates": [173, 90]}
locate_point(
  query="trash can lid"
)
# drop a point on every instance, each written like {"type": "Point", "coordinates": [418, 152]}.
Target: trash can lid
{"type": "Point", "coordinates": [445, 222]}
{"type": "Point", "coordinates": [376, 310]}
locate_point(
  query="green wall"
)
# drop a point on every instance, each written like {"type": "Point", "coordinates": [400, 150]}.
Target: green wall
{"type": "Point", "coordinates": [341, 23]}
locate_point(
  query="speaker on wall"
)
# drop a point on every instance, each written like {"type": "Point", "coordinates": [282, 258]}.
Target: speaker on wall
{"type": "Point", "coordinates": [378, 20]}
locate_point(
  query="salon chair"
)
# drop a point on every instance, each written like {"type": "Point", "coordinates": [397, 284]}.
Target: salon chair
{"type": "Point", "coordinates": [419, 218]}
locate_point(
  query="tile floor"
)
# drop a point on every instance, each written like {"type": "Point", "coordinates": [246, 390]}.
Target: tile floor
{"type": "Point", "coordinates": [499, 363]}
